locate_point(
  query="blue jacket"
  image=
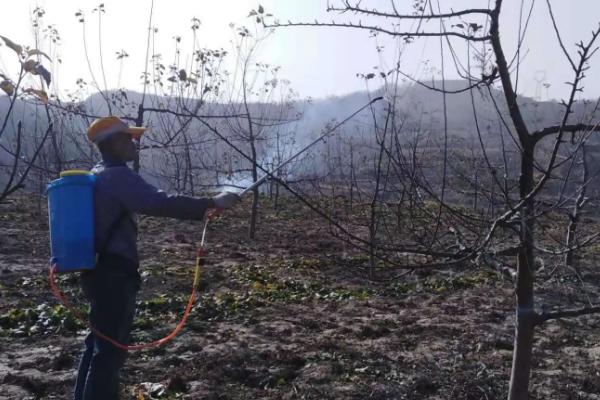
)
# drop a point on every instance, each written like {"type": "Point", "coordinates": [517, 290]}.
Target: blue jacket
{"type": "Point", "coordinates": [120, 193]}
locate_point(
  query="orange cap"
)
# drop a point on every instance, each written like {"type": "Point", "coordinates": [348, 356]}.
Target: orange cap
{"type": "Point", "coordinates": [103, 128]}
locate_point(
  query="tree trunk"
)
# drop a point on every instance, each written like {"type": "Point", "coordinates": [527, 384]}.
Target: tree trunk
{"type": "Point", "coordinates": [255, 192]}
{"type": "Point", "coordinates": [352, 177]}
{"type": "Point", "coordinates": [525, 313]}
{"type": "Point", "coordinates": [521, 365]}
{"type": "Point", "coordinates": [138, 122]}
{"type": "Point", "coordinates": [577, 210]}
{"type": "Point", "coordinates": [276, 201]}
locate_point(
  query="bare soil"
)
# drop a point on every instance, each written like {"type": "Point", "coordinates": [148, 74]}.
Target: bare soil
{"type": "Point", "coordinates": [290, 315]}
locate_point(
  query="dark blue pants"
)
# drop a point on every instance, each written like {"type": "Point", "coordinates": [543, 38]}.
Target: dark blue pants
{"type": "Point", "coordinates": [111, 289]}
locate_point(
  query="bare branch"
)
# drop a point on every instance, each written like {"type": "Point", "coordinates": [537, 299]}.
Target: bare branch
{"type": "Point", "coordinates": [349, 8]}
{"type": "Point", "coordinates": [556, 129]}
{"type": "Point", "coordinates": [191, 114]}
{"type": "Point", "coordinates": [560, 42]}
{"type": "Point", "coordinates": [484, 81]}
{"type": "Point", "coordinates": [374, 28]}
{"type": "Point", "coordinates": [503, 70]}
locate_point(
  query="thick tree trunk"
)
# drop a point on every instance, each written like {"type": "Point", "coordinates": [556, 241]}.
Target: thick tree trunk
{"type": "Point", "coordinates": [525, 313]}
{"type": "Point", "coordinates": [521, 365]}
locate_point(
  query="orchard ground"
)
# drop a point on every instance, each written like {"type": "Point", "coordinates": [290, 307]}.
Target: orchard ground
{"type": "Point", "coordinates": [290, 315]}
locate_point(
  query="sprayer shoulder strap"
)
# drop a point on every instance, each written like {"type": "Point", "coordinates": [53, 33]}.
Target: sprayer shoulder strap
{"type": "Point", "coordinates": [116, 224]}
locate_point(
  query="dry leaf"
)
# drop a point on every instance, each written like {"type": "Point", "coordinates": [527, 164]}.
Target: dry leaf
{"type": "Point", "coordinates": [44, 73]}
{"type": "Point", "coordinates": [8, 87]}
{"type": "Point", "coordinates": [42, 95]}
{"type": "Point", "coordinates": [35, 68]}
{"type": "Point", "coordinates": [17, 48]}
{"type": "Point", "coordinates": [182, 75]}
{"type": "Point", "coordinates": [34, 52]}
{"type": "Point", "coordinates": [30, 66]}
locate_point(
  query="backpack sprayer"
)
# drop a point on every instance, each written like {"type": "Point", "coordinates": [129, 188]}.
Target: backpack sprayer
{"type": "Point", "coordinates": [71, 222]}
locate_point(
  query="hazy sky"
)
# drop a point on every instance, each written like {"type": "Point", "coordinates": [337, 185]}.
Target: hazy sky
{"type": "Point", "coordinates": [318, 61]}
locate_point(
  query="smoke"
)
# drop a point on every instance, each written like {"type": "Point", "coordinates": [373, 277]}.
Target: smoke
{"type": "Point", "coordinates": [235, 183]}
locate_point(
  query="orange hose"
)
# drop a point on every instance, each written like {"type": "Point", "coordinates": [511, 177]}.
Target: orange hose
{"type": "Point", "coordinates": [60, 296]}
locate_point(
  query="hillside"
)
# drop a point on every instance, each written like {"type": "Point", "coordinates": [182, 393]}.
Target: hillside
{"type": "Point", "coordinates": [412, 100]}
{"type": "Point", "coordinates": [420, 110]}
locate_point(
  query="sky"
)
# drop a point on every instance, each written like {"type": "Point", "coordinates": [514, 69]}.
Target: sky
{"type": "Point", "coordinates": [319, 62]}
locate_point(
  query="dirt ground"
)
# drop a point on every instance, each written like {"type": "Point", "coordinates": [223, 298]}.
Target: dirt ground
{"type": "Point", "coordinates": [287, 316]}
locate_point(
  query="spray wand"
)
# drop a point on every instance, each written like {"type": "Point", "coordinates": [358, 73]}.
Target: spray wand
{"type": "Point", "coordinates": [302, 151]}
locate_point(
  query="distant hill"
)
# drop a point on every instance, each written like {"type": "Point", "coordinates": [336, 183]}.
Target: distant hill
{"type": "Point", "coordinates": [419, 107]}
{"type": "Point", "coordinates": [414, 101]}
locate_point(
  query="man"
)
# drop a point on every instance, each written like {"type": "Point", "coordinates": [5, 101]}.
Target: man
{"type": "Point", "coordinates": [111, 288]}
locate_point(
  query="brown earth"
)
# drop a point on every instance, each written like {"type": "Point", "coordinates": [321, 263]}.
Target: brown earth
{"type": "Point", "coordinates": [288, 316]}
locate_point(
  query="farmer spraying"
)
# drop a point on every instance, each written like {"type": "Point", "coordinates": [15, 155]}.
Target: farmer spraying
{"type": "Point", "coordinates": [93, 229]}
{"type": "Point", "coordinates": [111, 287]}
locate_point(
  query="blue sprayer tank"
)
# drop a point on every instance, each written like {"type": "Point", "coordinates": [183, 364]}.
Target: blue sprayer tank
{"type": "Point", "coordinates": [71, 221]}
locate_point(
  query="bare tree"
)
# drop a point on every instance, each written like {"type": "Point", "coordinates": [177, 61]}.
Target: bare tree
{"type": "Point", "coordinates": [442, 234]}
{"type": "Point", "coordinates": [20, 155]}
{"type": "Point", "coordinates": [266, 101]}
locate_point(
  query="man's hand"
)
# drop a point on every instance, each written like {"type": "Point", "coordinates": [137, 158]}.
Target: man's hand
{"type": "Point", "coordinates": [226, 200]}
